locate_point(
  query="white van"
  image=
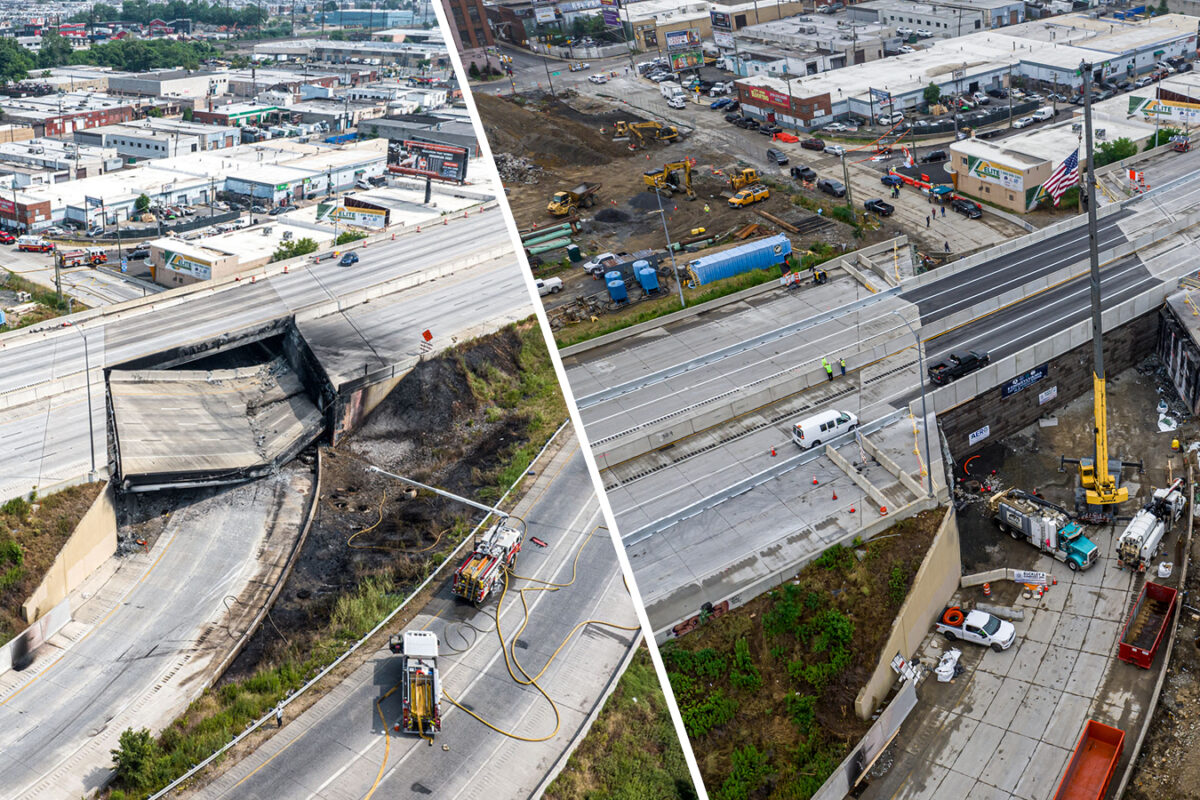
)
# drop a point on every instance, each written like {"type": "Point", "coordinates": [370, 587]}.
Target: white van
{"type": "Point", "coordinates": [822, 428]}
{"type": "Point", "coordinates": [1044, 113]}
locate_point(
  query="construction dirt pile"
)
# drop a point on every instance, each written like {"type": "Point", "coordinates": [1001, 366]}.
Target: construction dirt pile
{"type": "Point", "coordinates": [517, 170]}
{"type": "Point", "coordinates": [551, 131]}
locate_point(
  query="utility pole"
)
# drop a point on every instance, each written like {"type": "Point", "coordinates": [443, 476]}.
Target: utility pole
{"type": "Point", "coordinates": [670, 250]}
{"type": "Point", "coordinates": [846, 178]}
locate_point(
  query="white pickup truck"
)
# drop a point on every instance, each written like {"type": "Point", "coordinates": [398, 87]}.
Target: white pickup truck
{"type": "Point", "coordinates": [976, 627]}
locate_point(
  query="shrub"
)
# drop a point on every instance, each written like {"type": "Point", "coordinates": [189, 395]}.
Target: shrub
{"type": "Point", "coordinates": [136, 758]}
{"type": "Point", "coordinates": [844, 214]}
{"type": "Point", "coordinates": [706, 664]}
{"type": "Point", "coordinates": [349, 236]}
{"type": "Point", "coordinates": [745, 675]}
{"type": "Point", "coordinates": [294, 248]}
{"type": "Point", "coordinates": [12, 553]}
{"type": "Point", "coordinates": [836, 557]}
{"type": "Point", "coordinates": [713, 711]}
{"type": "Point", "coordinates": [897, 584]}
{"type": "Point", "coordinates": [802, 709]}
{"type": "Point", "coordinates": [18, 507]}
{"type": "Point", "coordinates": [747, 772]}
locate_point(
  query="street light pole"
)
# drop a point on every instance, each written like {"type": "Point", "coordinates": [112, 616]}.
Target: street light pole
{"type": "Point", "coordinates": [87, 381]}
{"type": "Point", "coordinates": [924, 410]}
{"type": "Point", "coordinates": [670, 250]}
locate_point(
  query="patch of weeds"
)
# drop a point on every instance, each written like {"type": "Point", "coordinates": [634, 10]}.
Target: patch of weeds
{"type": "Point", "coordinates": [744, 675]}
{"type": "Point", "coordinates": [748, 771]}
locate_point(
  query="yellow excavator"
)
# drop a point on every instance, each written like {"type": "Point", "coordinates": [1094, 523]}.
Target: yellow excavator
{"type": "Point", "coordinates": [743, 178]}
{"type": "Point", "coordinates": [662, 133]}
{"type": "Point", "coordinates": [666, 182]}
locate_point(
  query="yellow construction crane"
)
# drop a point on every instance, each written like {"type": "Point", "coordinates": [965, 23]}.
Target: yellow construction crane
{"type": "Point", "coordinates": [1097, 480]}
{"type": "Point", "coordinates": [666, 182]}
{"type": "Point", "coordinates": [662, 133]}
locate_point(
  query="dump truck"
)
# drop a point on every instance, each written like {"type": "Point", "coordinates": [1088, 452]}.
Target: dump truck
{"type": "Point", "coordinates": [1143, 536]}
{"type": "Point", "coordinates": [955, 366]}
{"type": "Point", "coordinates": [420, 687]}
{"type": "Point", "coordinates": [483, 570]}
{"type": "Point", "coordinates": [1092, 764]}
{"type": "Point", "coordinates": [569, 202]}
{"type": "Point", "coordinates": [743, 178]}
{"type": "Point", "coordinates": [977, 627]}
{"type": "Point", "coordinates": [1147, 625]}
{"type": "Point", "coordinates": [1045, 526]}
{"type": "Point", "coordinates": [749, 195]}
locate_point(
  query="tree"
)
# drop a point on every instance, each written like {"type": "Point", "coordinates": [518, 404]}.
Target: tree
{"type": "Point", "coordinates": [1111, 152]}
{"type": "Point", "coordinates": [188, 115]}
{"type": "Point", "coordinates": [294, 248]}
{"type": "Point", "coordinates": [1162, 7]}
{"type": "Point", "coordinates": [15, 61]}
{"type": "Point", "coordinates": [933, 93]}
{"type": "Point", "coordinates": [55, 50]}
{"type": "Point", "coordinates": [142, 204]}
{"type": "Point", "coordinates": [473, 71]}
{"type": "Point", "coordinates": [154, 111]}
{"type": "Point", "coordinates": [136, 758]}
{"type": "Point", "coordinates": [350, 236]}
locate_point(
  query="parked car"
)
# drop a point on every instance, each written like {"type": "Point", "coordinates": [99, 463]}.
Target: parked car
{"type": "Point", "coordinates": [835, 150]}
{"type": "Point", "coordinates": [837, 127]}
{"type": "Point", "coordinates": [802, 173]}
{"type": "Point", "coordinates": [813, 144]}
{"type": "Point", "coordinates": [7, 238]}
{"type": "Point", "coordinates": [891, 180]}
{"type": "Point", "coordinates": [348, 259]}
{"type": "Point", "coordinates": [968, 208]}
{"type": "Point", "coordinates": [878, 206]}
{"type": "Point", "coordinates": [733, 106]}
{"type": "Point", "coordinates": [934, 157]}
{"type": "Point", "coordinates": [717, 105]}
{"type": "Point", "coordinates": [776, 156]}
{"type": "Point", "coordinates": [54, 230]}
{"type": "Point", "coordinates": [258, 209]}
{"type": "Point", "coordinates": [891, 119]}
{"type": "Point", "coordinates": [678, 101]}
{"type": "Point", "coordinates": [733, 118]}
{"type": "Point", "coordinates": [139, 253]}
{"type": "Point", "coordinates": [598, 79]}
{"type": "Point", "coordinates": [832, 187]}
{"type": "Point", "coordinates": [1023, 122]}
{"type": "Point", "coordinates": [906, 49]}
{"type": "Point", "coordinates": [749, 123]}
{"type": "Point", "coordinates": [1186, 66]}
{"type": "Point", "coordinates": [904, 31]}
{"type": "Point", "coordinates": [769, 129]}
{"type": "Point", "coordinates": [1145, 80]}
{"type": "Point", "coordinates": [922, 33]}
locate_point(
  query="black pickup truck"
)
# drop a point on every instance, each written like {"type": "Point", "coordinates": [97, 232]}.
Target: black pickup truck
{"type": "Point", "coordinates": [956, 366]}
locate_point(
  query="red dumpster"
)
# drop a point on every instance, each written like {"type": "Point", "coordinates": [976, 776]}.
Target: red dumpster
{"type": "Point", "coordinates": [1146, 627]}
{"type": "Point", "coordinates": [1092, 764]}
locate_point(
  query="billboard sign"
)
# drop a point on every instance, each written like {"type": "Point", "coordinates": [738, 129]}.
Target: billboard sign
{"type": "Point", "coordinates": [442, 161]}
{"type": "Point", "coordinates": [545, 14]}
{"type": "Point", "coordinates": [991, 172]}
{"type": "Point", "coordinates": [975, 437]}
{"type": "Point", "coordinates": [757, 94]}
{"type": "Point", "coordinates": [723, 39]}
{"type": "Point", "coordinates": [687, 60]}
{"type": "Point", "coordinates": [7, 207]}
{"type": "Point", "coordinates": [1166, 110]}
{"type": "Point", "coordinates": [683, 40]}
{"type": "Point", "coordinates": [881, 97]}
{"type": "Point", "coordinates": [612, 16]}
{"type": "Point", "coordinates": [191, 266]}
{"type": "Point", "coordinates": [1024, 380]}
{"type": "Point", "coordinates": [354, 212]}
{"type": "Point", "coordinates": [721, 20]}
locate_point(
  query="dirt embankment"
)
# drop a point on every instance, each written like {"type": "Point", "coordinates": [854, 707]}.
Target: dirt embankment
{"type": "Point", "coordinates": [456, 422]}
{"type": "Point", "coordinates": [767, 690]}
{"type": "Point", "coordinates": [549, 132]}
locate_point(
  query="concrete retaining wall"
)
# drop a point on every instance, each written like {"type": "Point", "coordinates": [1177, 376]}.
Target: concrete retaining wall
{"type": "Point", "coordinates": [932, 588]}
{"type": "Point", "coordinates": [94, 540]}
{"type": "Point", "coordinates": [17, 651]}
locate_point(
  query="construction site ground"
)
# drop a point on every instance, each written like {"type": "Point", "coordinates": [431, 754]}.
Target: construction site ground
{"type": "Point", "coordinates": [1007, 725]}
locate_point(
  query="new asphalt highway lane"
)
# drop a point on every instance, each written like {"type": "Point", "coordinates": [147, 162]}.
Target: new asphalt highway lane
{"type": "Point", "coordinates": [344, 745]}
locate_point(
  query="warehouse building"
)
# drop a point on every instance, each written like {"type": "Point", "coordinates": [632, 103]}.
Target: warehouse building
{"type": "Point", "coordinates": [169, 83]}
{"type": "Point", "coordinates": [159, 138]}
{"type": "Point", "coordinates": [55, 115]}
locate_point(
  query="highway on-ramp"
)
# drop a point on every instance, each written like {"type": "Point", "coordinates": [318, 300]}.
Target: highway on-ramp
{"type": "Point", "coordinates": [341, 747]}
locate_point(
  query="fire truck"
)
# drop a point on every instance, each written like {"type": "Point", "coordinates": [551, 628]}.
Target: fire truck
{"type": "Point", "coordinates": [420, 688]}
{"type": "Point", "coordinates": [483, 570]}
{"type": "Point", "coordinates": [87, 256]}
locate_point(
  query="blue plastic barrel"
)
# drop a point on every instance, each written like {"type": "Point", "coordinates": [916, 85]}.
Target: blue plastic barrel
{"type": "Point", "coordinates": [616, 288]}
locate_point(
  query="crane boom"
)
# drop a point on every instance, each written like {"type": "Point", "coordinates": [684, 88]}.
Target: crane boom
{"type": "Point", "coordinates": [1100, 484]}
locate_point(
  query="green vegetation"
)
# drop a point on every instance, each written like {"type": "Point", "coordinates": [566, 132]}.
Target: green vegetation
{"type": "Point", "coordinates": [349, 236]}
{"type": "Point", "coordinates": [1162, 137]}
{"type": "Point", "coordinates": [32, 531]}
{"type": "Point", "coordinates": [631, 752]}
{"type": "Point", "coordinates": [1114, 151]}
{"type": "Point", "coordinates": [767, 690]}
{"type": "Point", "coordinates": [294, 248]}
{"type": "Point", "coordinates": [134, 55]}
{"type": "Point", "coordinates": [932, 94]}
{"type": "Point", "coordinates": [49, 304]}
{"type": "Point", "coordinates": [142, 204]}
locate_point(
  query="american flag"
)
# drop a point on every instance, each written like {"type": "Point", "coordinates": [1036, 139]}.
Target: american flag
{"type": "Point", "coordinates": [1066, 176]}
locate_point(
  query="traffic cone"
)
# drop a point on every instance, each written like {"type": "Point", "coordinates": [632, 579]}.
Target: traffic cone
{"type": "Point", "coordinates": [851, 509]}
{"type": "Point", "coordinates": [418, 229]}
{"type": "Point", "coordinates": [835, 494]}
{"type": "Point", "coordinates": [445, 220]}
{"type": "Point", "coordinates": [814, 480]}
{"type": "Point", "coordinates": [987, 590]}
{"type": "Point", "coordinates": [883, 510]}
{"type": "Point", "coordinates": [772, 452]}
{"type": "Point", "coordinates": [285, 272]}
